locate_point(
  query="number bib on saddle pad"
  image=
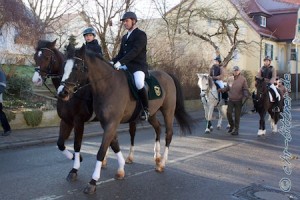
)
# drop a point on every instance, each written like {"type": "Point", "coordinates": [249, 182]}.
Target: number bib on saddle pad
{"type": "Point", "coordinates": [154, 89]}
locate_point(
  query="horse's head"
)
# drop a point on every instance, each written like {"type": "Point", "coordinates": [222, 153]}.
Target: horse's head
{"type": "Point", "coordinates": [261, 87]}
{"type": "Point", "coordinates": [45, 61]}
{"type": "Point", "coordinates": [75, 73]}
{"type": "Point", "coordinates": [203, 83]}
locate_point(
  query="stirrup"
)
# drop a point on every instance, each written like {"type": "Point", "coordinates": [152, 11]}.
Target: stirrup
{"type": "Point", "coordinates": [144, 115]}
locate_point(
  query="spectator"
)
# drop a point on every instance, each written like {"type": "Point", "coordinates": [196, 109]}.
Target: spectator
{"type": "Point", "coordinates": [237, 90]}
{"type": "Point", "coordinates": [4, 122]}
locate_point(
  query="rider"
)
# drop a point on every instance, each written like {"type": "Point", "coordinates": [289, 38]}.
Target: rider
{"type": "Point", "coordinates": [217, 74]}
{"type": "Point", "coordinates": [132, 53]}
{"type": "Point", "coordinates": [268, 72]}
{"type": "Point", "coordinates": [92, 44]}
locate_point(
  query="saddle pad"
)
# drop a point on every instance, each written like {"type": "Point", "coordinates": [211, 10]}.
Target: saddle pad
{"type": "Point", "coordinates": [154, 89]}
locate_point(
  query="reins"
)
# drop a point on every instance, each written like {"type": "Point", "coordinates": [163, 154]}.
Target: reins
{"type": "Point", "coordinates": [77, 85]}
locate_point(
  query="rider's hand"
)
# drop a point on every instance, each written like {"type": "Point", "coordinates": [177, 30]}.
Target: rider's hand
{"type": "Point", "coordinates": [117, 65]}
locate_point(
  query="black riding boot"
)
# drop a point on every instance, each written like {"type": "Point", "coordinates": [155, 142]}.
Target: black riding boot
{"type": "Point", "coordinates": [144, 100]}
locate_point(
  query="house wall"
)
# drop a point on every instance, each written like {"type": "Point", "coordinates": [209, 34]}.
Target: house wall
{"type": "Point", "coordinates": [10, 52]}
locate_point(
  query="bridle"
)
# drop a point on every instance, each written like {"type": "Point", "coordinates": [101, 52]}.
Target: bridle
{"type": "Point", "coordinates": [77, 85]}
{"type": "Point", "coordinates": [84, 69]}
{"type": "Point", "coordinates": [48, 70]}
{"type": "Point", "coordinates": [208, 91]}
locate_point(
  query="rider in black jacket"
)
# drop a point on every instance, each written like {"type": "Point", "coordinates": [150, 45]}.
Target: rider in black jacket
{"type": "Point", "coordinates": [132, 53]}
{"type": "Point", "coordinates": [92, 44]}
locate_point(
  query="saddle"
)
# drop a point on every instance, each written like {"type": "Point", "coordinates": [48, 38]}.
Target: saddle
{"type": "Point", "coordinates": [153, 88]}
{"type": "Point", "coordinates": [223, 95]}
{"type": "Point", "coordinates": [152, 85]}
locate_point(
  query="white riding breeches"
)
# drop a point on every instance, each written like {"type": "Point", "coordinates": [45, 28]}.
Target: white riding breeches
{"type": "Point", "coordinates": [272, 86]}
{"type": "Point", "coordinates": [220, 83]}
{"type": "Point", "coordinates": [139, 78]}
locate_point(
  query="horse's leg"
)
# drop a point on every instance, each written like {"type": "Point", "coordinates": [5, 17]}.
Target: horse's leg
{"type": "Point", "coordinates": [274, 120]}
{"type": "Point", "coordinates": [156, 125]}
{"type": "Point", "coordinates": [132, 130]}
{"type": "Point", "coordinates": [169, 119]}
{"type": "Point", "coordinates": [262, 128]}
{"type": "Point", "coordinates": [121, 161]}
{"type": "Point", "coordinates": [78, 132]}
{"type": "Point", "coordinates": [107, 140]}
{"type": "Point", "coordinates": [64, 133]}
{"type": "Point", "coordinates": [209, 127]}
{"type": "Point", "coordinates": [219, 125]}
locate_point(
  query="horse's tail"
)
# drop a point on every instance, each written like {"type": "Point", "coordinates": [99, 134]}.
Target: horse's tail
{"type": "Point", "coordinates": [181, 115]}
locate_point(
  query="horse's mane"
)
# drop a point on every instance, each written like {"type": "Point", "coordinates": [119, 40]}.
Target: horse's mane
{"type": "Point", "coordinates": [92, 54]}
{"type": "Point", "coordinates": [43, 44]}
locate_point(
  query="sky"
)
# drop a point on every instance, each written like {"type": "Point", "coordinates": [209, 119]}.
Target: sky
{"type": "Point", "coordinates": [146, 9]}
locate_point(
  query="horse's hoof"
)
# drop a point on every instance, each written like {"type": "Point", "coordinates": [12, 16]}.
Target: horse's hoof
{"type": "Point", "coordinates": [72, 176]}
{"type": "Point", "coordinates": [219, 127]}
{"type": "Point", "coordinates": [207, 132]}
{"type": "Point", "coordinates": [90, 189]}
{"type": "Point", "coordinates": [159, 169]}
{"type": "Point", "coordinates": [129, 160]}
{"type": "Point", "coordinates": [120, 175]}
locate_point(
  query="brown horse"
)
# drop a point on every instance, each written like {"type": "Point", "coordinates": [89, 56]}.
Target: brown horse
{"type": "Point", "coordinates": [263, 105]}
{"type": "Point", "coordinates": [115, 104]}
{"type": "Point", "coordinates": [74, 113]}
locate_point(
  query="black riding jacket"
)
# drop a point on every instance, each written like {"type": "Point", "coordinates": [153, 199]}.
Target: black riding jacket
{"type": "Point", "coordinates": [94, 46]}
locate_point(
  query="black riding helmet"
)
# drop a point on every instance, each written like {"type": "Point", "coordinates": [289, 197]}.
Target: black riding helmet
{"type": "Point", "coordinates": [89, 30]}
{"type": "Point", "coordinates": [129, 15]}
{"type": "Point", "coordinates": [268, 58]}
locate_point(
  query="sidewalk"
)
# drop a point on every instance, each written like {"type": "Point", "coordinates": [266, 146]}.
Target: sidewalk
{"type": "Point", "coordinates": [26, 137]}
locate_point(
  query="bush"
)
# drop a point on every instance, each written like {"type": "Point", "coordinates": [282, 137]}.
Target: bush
{"type": "Point", "coordinates": [16, 85]}
{"type": "Point", "coordinates": [33, 118]}
{"type": "Point", "coordinates": [10, 115]}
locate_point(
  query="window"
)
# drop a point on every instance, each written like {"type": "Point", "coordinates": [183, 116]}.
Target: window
{"type": "Point", "coordinates": [269, 50]}
{"type": "Point", "coordinates": [263, 21]}
{"type": "Point", "coordinates": [293, 54]}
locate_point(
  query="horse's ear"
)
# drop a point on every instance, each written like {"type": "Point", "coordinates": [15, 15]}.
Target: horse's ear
{"type": "Point", "coordinates": [53, 43]}
{"type": "Point", "coordinates": [198, 75]}
{"type": "Point", "coordinates": [82, 49]}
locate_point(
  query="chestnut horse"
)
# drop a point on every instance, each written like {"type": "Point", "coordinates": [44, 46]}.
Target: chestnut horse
{"type": "Point", "coordinates": [74, 113]}
{"type": "Point", "coordinates": [115, 104]}
{"type": "Point", "coordinates": [263, 105]}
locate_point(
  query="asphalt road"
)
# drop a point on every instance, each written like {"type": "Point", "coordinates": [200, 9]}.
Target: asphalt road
{"type": "Point", "coordinates": [200, 166]}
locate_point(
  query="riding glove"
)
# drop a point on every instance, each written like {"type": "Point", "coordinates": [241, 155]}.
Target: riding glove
{"type": "Point", "coordinates": [117, 65]}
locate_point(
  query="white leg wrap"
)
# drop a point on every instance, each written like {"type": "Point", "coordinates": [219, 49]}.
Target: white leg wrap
{"type": "Point", "coordinates": [131, 151]}
{"type": "Point", "coordinates": [97, 171]}
{"type": "Point", "coordinates": [68, 154]}
{"type": "Point", "coordinates": [165, 159]}
{"type": "Point", "coordinates": [77, 161]}
{"type": "Point", "coordinates": [121, 160]}
{"type": "Point", "coordinates": [156, 150]}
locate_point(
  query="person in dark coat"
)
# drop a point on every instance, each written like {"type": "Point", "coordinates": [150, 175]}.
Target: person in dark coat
{"type": "Point", "coordinates": [132, 54]}
{"type": "Point", "coordinates": [268, 72]}
{"type": "Point", "coordinates": [3, 119]}
{"type": "Point", "coordinates": [92, 44]}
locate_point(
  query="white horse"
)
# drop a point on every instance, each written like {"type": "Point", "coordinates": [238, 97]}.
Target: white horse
{"type": "Point", "coordinates": [210, 100]}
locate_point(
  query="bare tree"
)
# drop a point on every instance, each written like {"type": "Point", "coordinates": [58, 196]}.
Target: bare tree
{"type": "Point", "coordinates": [101, 14]}
{"type": "Point", "coordinates": [47, 12]}
{"type": "Point", "coordinates": [223, 29]}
